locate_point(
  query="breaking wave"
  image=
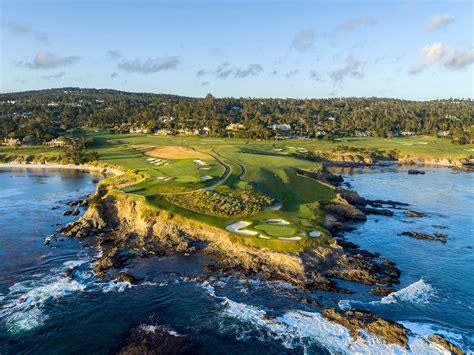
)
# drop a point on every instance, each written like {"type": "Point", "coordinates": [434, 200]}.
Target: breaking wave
{"type": "Point", "coordinates": [417, 292]}
{"type": "Point", "coordinates": [23, 308]}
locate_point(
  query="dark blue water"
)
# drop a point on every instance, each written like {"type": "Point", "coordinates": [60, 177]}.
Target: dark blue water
{"type": "Point", "coordinates": [45, 311]}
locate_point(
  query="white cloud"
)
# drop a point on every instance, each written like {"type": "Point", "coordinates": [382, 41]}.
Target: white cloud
{"type": "Point", "coordinates": [439, 54]}
{"type": "Point", "coordinates": [20, 29]}
{"type": "Point", "coordinates": [53, 76]}
{"type": "Point", "coordinates": [437, 21]}
{"type": "Point", "coordinates": [48, 60]}
{"type": "Point", "coordinates": [351, 69]}
{"type": "Point", "coordinates": [314, 75]}
{"type": "Point", "coordinates": [151, 65]}
{"type": "Point", "coordinates": [355, 22]}
{"type": "Point", "coordinates": [112, 54]}
{"type": "Point", "coordinates": [224, 71]}
{"type": "Point", "coordinates": [303, 40]}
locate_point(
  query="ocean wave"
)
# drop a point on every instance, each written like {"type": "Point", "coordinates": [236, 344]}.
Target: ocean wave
{"type": "Point", "coordinates": [298, 328]}
{"type": "Point", "coordinates": [417, 292]}
{"type": "Point", "coordinates": [26, 300]}
{"type": "Point", "coordinates": [23, 308]}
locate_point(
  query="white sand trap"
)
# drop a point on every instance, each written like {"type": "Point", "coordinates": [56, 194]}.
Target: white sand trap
{"type": "Point", "coordinates": [421, 143]}
{"type": "Point", "coordinates": [206, 177]}
{"type": "Point", "coordinates": [199, 162]}
{"type": "Point", "coordinates": [290, 239]}
{"type": "Point", "coordinates": [278, 222]}
{"type": "Point", "coordinates": [237, 227]}
{"type": "Point", "coordinates": [263, 237]}
{"type": "Point", "coordinates": [302, 150]}
{"type": "Point", "coordinates": [160, 178]}
{"type": "Point", "coordinates": [150, 159]}
{"type": "Point", "coordinates": [277, 149]}
{"type": "Point", "coordinates": [314, 234]}
{"type": "Point", "coordinates": [202, 169]}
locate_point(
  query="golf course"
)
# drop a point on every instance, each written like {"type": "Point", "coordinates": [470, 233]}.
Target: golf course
{"type": "Point", "coordinates": [256, 190]}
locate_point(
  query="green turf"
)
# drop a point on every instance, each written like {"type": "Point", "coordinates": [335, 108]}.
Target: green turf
{"type": "Point", "coordinates": [234, 164]}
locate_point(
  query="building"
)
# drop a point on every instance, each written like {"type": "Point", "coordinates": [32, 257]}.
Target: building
{"type": "Point", "coordinates": [284, 127]}
{"type": "Point", "coordinates": [163, 132]}
{"type": "Point", "coordinates": [204, 131]}
{"type": "Point", "coordinates": [235, 127]}
{"type": "Point", "coordinates": [58, 142]}
{"type": "Point", "coordinates": [138, 130]}
{"type": "Point", "coordinates": [11, 142]}
{"type": "Point", "coordinates": [408, 134]}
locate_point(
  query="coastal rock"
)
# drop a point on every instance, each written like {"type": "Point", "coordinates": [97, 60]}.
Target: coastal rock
{"type": "Point", "coordinates": [78, 203]}
{"type": "Point", "coordinates": [376, 211]}
{"type": "Point", "coordinates": [125, 277]}
{"type": "Point", "coordinates": [414, 214]}
{"type": "Point", "coordinates": [354, 320]}
{"type": "Point", "coordinates": [416, 172]}
{"type": "Point", "coordinates": [346, 211]}
{"type": "Point", "coordinates": [150, 339]}
{"type": "Point", "coordinates": [73, 212]}
{"type": "Point", "coordinates": [381, 291]}
{"type": "Point", "coordinates": [438, 237]}
{"type": "Point", "coordinates": [440, 340]}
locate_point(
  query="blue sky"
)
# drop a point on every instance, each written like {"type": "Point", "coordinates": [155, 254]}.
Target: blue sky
{"type": "Point", "coordinates": [403, 49]}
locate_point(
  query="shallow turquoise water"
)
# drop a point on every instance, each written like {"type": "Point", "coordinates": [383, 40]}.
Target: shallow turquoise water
{"type": "Point", "coordinates": [44, 311]}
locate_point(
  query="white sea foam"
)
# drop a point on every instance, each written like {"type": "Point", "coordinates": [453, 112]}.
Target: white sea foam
{"type": "Point", "coordinates": [417, 292]}
{"type": "Point", "coordinates": [24, 309]}
{"type": "Point", "coordinates": [303, 328]}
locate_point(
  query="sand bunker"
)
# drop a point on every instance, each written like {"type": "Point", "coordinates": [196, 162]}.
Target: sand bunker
{"type": "Point", "coordinates": [175, 152]}
{"type": "Point", "coordinates": [199, 162]}
{"type": "Point", "coordinates": [237, 227]}
{"type": "Point", "coordinates": [278, 222]}
{"type": "Point", "coordinates": [203, 169]}
{"type": "Point", "coordinates": [263, 237]}
{"type": "Point", "coordinates": [290, 239]}
{"type": "Point", "coordinates": [206, 177]}
{"type": "Point", "coordinates": [314, 234]}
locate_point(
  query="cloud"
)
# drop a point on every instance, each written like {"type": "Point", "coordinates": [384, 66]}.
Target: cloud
{"type": "Point", "coordinates": [48, 60]}
{"type": "Point", "coordinates": [251, 70]}
{"type": "Point", "coordinates": [303, 40]}
{"type": "Point", "coordinates": [205, 83]}
{"type": "Point", "coordinates": [24, 30]}
{"type": "Point", "coordinates": [436, 22]}
{"type": "Point", "coordinates": [113, 55]}
{"type": "Point", "coordinates": [439, 54]}
{"type": "Point", "coordinates": [53, 76]}
{"type": "Point", "coordinates": [353, 23]}
{"type": "Point", "coordinates": [114, 75]}
{"type": "Point", "coordinates": [224, 71]}
{"type": "Point", "coordinates": [291, 73]}
{"type": "Point", "coordinates": [151, 65]}
{"type": "Point", "coordinates": [314, 75]}
{"type": "Point", "coordinates": [351, 69]}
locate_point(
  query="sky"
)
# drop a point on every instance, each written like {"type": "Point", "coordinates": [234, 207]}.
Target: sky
{"type": "Point", "coordinates": [415, 50]}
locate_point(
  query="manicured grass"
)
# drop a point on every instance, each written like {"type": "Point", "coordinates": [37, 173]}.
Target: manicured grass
{"type": "Point", "coordinates": [276, 231]}
{"type": "Point", "coordinates": [237, 166]}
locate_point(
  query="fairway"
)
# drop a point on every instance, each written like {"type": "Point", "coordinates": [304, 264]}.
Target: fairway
{"type": "Point", "coordinates": [221, 181]}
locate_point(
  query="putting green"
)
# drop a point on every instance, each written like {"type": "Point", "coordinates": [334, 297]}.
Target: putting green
{"type": "Point", "coordinates": [276, 231]}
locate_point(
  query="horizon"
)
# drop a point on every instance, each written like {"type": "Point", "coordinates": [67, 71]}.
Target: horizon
{"type": "Point", "coordinates": [408, 50]}
{"type": "Point", "coordinates": [239, 97]}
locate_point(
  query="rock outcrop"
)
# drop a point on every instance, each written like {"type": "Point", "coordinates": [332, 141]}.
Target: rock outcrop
{"type": "Point", "coordinates": [440, 340]}
{"type": "Point", "coordinates": [388, 331]}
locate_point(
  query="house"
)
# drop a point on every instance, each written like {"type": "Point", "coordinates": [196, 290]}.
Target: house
{"type": "Point", "coordinates": [138, 130]}
{"type": "Point", "coordinates": [408, 133]}
{"type": "Point", "coordinates": [58, 142]}
{"type": "Point", "coordinates": [235, 127]}
{"type": "Point", "coordinates": [204, 131]}
{"type": "Point", "coordinates": [188, 131]}
{"type": "Point", "coordinates": [284, 127]}
{"type": "Point", "coordinates": [163, 132]}
{"type": "Point", "coordinates": [11, 142]}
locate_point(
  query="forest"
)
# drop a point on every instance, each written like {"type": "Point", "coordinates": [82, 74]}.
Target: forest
{"type": "Point", "coordinates": [39, 116]}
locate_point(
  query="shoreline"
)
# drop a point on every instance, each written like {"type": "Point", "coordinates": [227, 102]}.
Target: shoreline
{"type": "Point", "coordinates": [86, 168]}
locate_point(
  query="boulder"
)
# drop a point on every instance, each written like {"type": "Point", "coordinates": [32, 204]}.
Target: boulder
{"type": "Point", "coordinates": [415, 214]}
{"type": "Point", "coordinates": [416, 172]}
{"type": "Point", "coordinates": [440, 340]}
{"type": "Point", "coordinates": [354, 320]}
{"type": "Point", "coordinates": [73, 212]}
